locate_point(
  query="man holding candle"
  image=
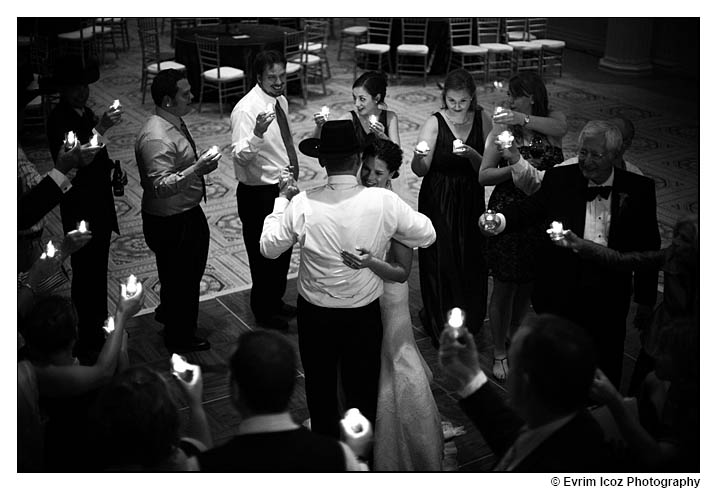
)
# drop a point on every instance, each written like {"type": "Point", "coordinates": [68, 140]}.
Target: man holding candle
{"type": "Point", "coordinates": [175, 227]}
{"type": "Point", "coordinates": [90, 197]}
{"type": "Point", "coordinates": [606, 205]}
{"type": "Point", "coordinates": [261, 149]}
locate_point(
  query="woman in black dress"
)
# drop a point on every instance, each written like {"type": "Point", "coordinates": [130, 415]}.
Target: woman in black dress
{"type": "Point", "coordinates": [452, 271]}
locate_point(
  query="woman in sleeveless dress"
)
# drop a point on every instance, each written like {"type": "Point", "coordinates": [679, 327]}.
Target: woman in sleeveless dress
{"type": "Point", "coordinates": [510, 256]}
{"type": "Point", "coordinates": [370, 117]}
{"type": "Point", "coordinates": [452, 270]}
{"type": "Point", "coordinates": [408, 434]}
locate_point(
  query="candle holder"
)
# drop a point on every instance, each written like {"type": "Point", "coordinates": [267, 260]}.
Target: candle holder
{"type": "Point", "coordinates": [50, 251]}
{"type": "Point", "coordinates": [556, 232]}
{"type": "Point", "coordinates": [325, 112]}
{"type": "Point", "coordinates": [491, 221]}
{"type": "Point", "coordinates": [506, 139]}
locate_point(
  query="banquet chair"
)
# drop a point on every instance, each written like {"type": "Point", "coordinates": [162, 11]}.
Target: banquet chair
{"type": "Point", "coordinates": [317, 40]}
{"type": "Point", "coordinates": [526, 54]}
{"type": "Point", "coordinates": [41, 61]}
{"type": "Point", "coordinates": [357, 33]}
{"type": "Point", "coordinates": [79, 41]}
{"type": "Point", "coordinates": [300, 64]}
{"type": "Point", "coordinates": [206, 21]}
{"type": "Point", "coordinates": [551, 49]}
{"type": "Point", "coordinates": [227, 80]}
{"type": "Point", "coordinates": [104, 36]}
{"type": "Point", "coordinates": [152, 62]}
{"type": "Point", "coordinates": [378, 44]}
{"type": "Point", "coordinates": [118, 25]}
{"type": "Point", "coordinates": [413, 46]}
{"type": "Point", "coordinates": [464, 54]}
{"type": "Point", "coordinates": [498, 60]}
{"type": "Point", "coordinates": [177, 23]}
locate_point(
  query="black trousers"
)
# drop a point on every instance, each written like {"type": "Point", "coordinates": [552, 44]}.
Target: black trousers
{"type": "Point", "coordinates": [269, 276]}
{"type": "Point", "coordinates": [180, 243]}
{"type": "Point", "coordinates": [344, 341]}
{"type": "Point", "coordinates": [89, 291]}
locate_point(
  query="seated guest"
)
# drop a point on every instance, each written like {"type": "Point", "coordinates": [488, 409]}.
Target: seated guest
{"type": "Point", "coordinates": [546, 428]}
{"type": "Point", "coordinates": [66, 388]}
{"type": "Point", "coordinates": [263, 371]}
{"type": "Point", "coordinates": [136, 423]}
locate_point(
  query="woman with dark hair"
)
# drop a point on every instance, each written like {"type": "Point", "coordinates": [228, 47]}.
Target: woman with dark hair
{"type": "Point", "coordinates": [448, 156]}
{"type": "Point", "coordinates": [136, 423]}
{"type": "Point", "coordinates": [371, 118]}
{"type": "Point", "coordinates": [408, 433]}
{"type": "Point", "coordinates": [537, 133]}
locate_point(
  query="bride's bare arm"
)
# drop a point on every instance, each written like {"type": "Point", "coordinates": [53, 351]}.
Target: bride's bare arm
{"type": "Point", "coordinates": [396, 268]}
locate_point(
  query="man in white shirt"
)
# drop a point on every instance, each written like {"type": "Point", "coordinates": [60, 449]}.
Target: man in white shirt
{"type": "Point", "coordinates": [609, 206]}
{"type": "Point", "coordinates": [338, 316]}
{"type": "Point", "coordinates": [261, 147]}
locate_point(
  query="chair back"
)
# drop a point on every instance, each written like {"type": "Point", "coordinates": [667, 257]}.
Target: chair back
{"type": "Point", "coordinates": [488, 30]}
{"type": "Point", "coordinates": [460, 31]}
{"type": "Point", "coordinates": [208, 53]}
{"type": "Point", "coordinates": [249, 20]}
{"type": "Point", "coordinates": [515, 29]}
{"type": "Point", "coordinates": [147, 24]}
{"type": "Point", "coordinates": [206, 21]}
{"type": "Point", "coordinates": [149, 43]}
{"type": "Point", "coordinates": [380, 30]}
{"type": "Point", "coordinates": [538, 27]}
{"type": "Point", "coordinates": [294, 47]}
{"type": "Point", "coordinates": [317, 31]}
{"type": "Point", "coordinates": [413, 30]}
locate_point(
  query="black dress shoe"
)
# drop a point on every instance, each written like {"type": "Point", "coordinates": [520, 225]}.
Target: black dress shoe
{"type": "Point", "coordinates": [273, 322]}
{"type": "Point", "coordinates": [286, 310]}
{"type": "Point", "coordinates": [186, 345]}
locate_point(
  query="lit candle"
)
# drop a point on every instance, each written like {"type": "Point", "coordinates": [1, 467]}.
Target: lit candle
{"type": "Point", "coordinates": [355, 424]}
{"type": "Point", "coordinates": [373, 119]}
{"type": "Point", "coordinates": [422, 147]}
{"type": "Point", "coordinates": [115, 105]}
{"type": "Point", "coordinates": [94, 141]}
{"type": "Point", "coordinates": [325, 112]}
{"type": "Point", "coordinates": [82, 227]}
{"type": "Point", "coordinates": [455, 322]}
{"type": "Point", "coordinates": [270, 108]}
{"type": "Point", "coordinates": [556, 231]}
{"type": "Point", "coordinates": [49, 250]}
{"type": "Point", "coordinates": [131, 286]}
{"type": "Point", "coordinates": [212, 152]}
{"type": "Point", "coordinates": [505, 139]}
{"type": "Point", "coordinates": [109, 325]}
{"type": "Point", "coordinates": [70, 139]}
{"type": "Point", "coordinates": [498, 84]}
{"type": "Point", "coordinates": [179, 364]}
{"type": "Point", "coordinates": [457, 145]}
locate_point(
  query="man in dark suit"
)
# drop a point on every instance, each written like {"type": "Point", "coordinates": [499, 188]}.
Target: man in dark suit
{"type": "Point", "coordinates": [89, 199]}
{"type": "Point", "coordinates": [606, 205]}
{"type": "Point", "coordinates": [263, 371]}
{"type": "Point", "coordinates": [546, 428]}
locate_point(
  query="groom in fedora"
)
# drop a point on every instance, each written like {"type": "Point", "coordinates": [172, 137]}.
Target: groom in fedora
{"type": "Point", "coordinates": [338, 317]}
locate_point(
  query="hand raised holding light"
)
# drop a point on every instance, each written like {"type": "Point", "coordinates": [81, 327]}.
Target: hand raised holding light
{"type": "Point", "coordinates": [569, 240]}
{"type": "Point", "coordinates": [262, 123]}
{"type": "Point", "coordinates": [73, 241]}
{"type": "Point", "coordinates": [109, 119]}
{"type": "Point", "coordinates": [129, 305]}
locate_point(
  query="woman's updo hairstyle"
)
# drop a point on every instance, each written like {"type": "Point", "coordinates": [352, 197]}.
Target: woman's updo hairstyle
{"type": "Point", "coordinates": [460, 79]}
{"type": "Point", "coordinates": [374, 83]}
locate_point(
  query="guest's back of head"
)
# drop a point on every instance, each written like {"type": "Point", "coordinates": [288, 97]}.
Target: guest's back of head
{"type": "Point", "coordinates": [50, 328]}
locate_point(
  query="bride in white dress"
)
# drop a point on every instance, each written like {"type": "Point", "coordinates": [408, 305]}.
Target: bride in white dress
{"type": "Point", "coordinates": [408, 433]}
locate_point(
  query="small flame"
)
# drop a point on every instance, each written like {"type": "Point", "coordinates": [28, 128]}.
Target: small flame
{"type": "Point", "coordinates": [82, 227]}
{"type": "Point", "coordinates": [115, 105]}
{"type": "Point", "coordinates": [506, 139]}
{"type": "Point", "coordinates": [179, 364]}
{"type": "Point", "coordinates": [50, 249]}
{"type": "Point", "coordinates": [556, 227]}
{"type": "Point", "coordinates": [270, 108]}
{"type": "Point", "coordinates": [498, 84]}
{"type": "Point", "coordinates": [354, 420]}
{"type": "Point", "coordinates": [109, 325]}
{"type": "Point", "coordinates": [325, 111]}
{"type": "Point", "coordinates": [422, 147]}
{"type": "Point", "coordinates": [373, 119]}
{"type": "Point", "coordinates": [498, 110]}
{"type": "Point", "coordinates": [70, 139]}
{"type": "Point", "coordinates": [131, 285]}
{"type": "Point", "coordinates": [94, 141]}
{"type": "Point", "coordinates": [456, 318]}
{"type": "Point", "coordinates": [457, 143]}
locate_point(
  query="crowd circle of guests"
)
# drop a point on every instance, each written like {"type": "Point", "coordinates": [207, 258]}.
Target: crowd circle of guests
{"type": "Point", "coordinates": [81, 406]}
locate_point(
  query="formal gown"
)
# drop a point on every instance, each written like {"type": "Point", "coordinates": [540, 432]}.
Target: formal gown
{"type": "Point", "coordinates": [408, 435]}
{"type": "Point", "coordinates": [452, 271]}
{"type": "Point", "coordinates": [363, 137]}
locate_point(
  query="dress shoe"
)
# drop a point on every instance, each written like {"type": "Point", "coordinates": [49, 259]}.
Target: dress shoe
{"type": "Point", "coordinates": [286, 310]}
{"type": "Point", "coordinates": [186, 345]}
{"type": "Point", "coordinates": [273, 322]}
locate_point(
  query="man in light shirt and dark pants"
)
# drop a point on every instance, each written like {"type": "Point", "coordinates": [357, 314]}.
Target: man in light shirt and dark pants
{"type": "Point", "coordinates": [339, 321]}
{"type": "Point", "coordinates": [261, 149]}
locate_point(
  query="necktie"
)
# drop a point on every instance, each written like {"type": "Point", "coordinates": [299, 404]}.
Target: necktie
{"type": "Point", "coordinates": [594, 191]}
{"type": "Point", "coordinates": [185, 130]}
{"type": "Point", "coordinates": [287, 139]}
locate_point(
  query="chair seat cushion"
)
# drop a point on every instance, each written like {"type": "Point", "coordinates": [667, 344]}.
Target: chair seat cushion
{"type": "Point", "coordinates": [469, 49]}
{"type": "Point", "coordinates": [412, 49]}
{"type": "Point", "coordinates": [226, 74]}
{"type": "Point", "coordinates": [85, 33]}
{"type": "Point", "coordinates": [292, 67]}
{"type": "Point", "coordinates": [525, 45]}
{"type": "Point", "coordinates": [497, 47]}
{"type": "Point", "coordinates": [355, 30]}
{"type": "Point", "coordinates": [308, 60]}
{"type": "Point", "coordinates": [165, 65]}
{"type": "Point", "coordinates": [519, 36]}
{"type": "Point", "coordinates": [550, 43]}
{"type": "Point", "coordinates": [373, 48]}
{"type": "Point", "coordinates": [35, 103]}
{"type": "Point", "coordinates": [312, 47]}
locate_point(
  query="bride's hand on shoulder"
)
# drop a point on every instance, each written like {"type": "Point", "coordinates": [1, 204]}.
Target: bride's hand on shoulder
{"type": "Point", "coordinates": [357, 261]}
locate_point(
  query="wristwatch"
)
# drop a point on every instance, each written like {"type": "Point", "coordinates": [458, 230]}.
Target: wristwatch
{"type": "Point", "coordinates": [527, 119]}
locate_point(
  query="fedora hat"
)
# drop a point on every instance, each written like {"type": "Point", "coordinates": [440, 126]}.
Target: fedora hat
{"type": "Point", "coordinates": [337, 139]}
{"type": "Point", "coordinates": [69, 70]}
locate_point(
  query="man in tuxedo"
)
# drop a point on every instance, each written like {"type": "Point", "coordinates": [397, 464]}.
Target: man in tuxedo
{"type": "Point", "coordinates": [546, 428]}
{"type": "Point", "coordinates": [606, 205]}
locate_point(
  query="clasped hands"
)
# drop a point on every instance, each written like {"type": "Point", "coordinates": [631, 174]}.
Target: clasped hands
{"type": "Point", "coordinates": [287, 184]}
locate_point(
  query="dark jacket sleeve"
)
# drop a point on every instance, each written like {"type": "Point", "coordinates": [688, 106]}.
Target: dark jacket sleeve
{"type": "Point", "coordinates": [645, 280]}
{"type": "Point", "coordinates": [37, 203]}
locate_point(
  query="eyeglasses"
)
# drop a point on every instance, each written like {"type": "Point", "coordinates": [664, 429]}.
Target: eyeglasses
{"type": "Point", "coordinates": [583, 154]}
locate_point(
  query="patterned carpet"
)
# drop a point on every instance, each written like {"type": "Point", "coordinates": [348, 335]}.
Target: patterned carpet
{"type": "Point", "coordinates": [665, 147]}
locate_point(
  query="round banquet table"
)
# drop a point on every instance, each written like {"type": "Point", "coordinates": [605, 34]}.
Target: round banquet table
{"type": "Point", "coordinates": [238, 45]}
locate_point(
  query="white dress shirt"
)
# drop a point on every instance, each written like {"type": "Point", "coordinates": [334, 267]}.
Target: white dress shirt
{"type": "Point", "coordinates": [598, 215]}
{"type": "Point", "coordinates": [340, 216]}
{"type": "Point", "coordinates": [257, 161]}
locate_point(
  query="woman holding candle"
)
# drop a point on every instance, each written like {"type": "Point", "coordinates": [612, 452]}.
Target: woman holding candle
{"type": "Point", "coordinates": [371, 118]}
{"type": "Point", "coordinates": [452, 270]}
{"type": "Point", "coordinates": [408, 434]}
{"type": "Point", "coordinates": [537, 133]}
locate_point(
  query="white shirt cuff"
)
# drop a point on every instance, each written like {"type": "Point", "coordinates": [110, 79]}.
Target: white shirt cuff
{"type": "Point", "coordinates": [478, 381]}
{"type": "Point", "coordinates": [280, 204]}
{"type": "Point", "coordinates": [60, 179]}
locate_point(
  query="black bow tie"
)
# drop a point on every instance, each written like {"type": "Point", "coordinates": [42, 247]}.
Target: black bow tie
{"type": "Point", "coordinates": [592, 192]}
